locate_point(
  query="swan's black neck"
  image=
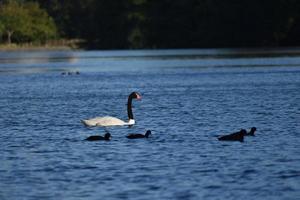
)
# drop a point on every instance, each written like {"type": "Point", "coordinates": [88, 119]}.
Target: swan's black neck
{"type": "Point", "coordinates": [129, 107]}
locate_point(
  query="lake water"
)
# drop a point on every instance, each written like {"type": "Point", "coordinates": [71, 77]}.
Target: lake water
{"type": "Point", "coordinates": [189, 98]}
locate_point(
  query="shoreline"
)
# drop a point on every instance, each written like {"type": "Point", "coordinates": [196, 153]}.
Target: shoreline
{"type": "Point", "coordinates": [48, 46]}
{"type": "Point", "coordinates": [37, 48]}
{"type": "Point", "coordinates": [74, 45]}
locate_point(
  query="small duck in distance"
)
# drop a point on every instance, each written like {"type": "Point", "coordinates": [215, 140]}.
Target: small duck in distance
{"type": "Point", "coordinates": [106, 137]}
{"type": "Point", "coordinates": [251, 133]}
{"type": "Point", "coordinates": [137, 136]}
{"type": "Point", "coordinates": [70, 73]}
{"type": "Point", "coordinates": [238, 136]}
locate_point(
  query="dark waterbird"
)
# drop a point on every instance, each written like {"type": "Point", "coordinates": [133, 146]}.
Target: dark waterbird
{"type": "Point", "coordinates": [70, 73]}
{"type": "Point", "coordinates": [107, 137]}
{"type": "Point", "coordinates": [251, 133]}
{"type": "Point", "coordinates": [136, 136]}
{"type": "Point", "coordinates": [238, 136]}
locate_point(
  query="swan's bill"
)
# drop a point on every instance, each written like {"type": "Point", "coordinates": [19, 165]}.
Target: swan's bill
{"type": "Point", "coordinates": [138, 97]}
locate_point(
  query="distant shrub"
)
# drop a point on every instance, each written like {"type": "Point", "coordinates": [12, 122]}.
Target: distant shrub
{"type": "Point", "coordinates": [25, 22]}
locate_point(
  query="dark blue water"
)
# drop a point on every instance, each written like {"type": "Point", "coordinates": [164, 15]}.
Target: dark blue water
{"type": "Point", "coordinates": [189, 97]}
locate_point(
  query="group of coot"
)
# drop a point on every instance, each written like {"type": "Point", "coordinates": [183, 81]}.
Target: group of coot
{"type": "Point", "coordinates": [70, 73]}
{"type": "Point", "coordinates": [237, 136]}
{"type": "Point", "coordinates": [107, 136]}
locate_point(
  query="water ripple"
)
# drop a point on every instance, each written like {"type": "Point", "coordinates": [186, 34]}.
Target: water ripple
{"type": "Point", "coordinates": [185, 105]}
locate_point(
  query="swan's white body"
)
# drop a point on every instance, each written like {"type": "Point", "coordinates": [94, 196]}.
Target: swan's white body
{"type": "Point", "coordinates": [107, 121]}
{"type": "Point", "coordinates": [113, 121]}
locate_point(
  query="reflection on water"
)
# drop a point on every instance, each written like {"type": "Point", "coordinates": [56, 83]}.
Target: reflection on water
{"type": "Point", "coordinates": [189, 97]}
{"type": "Point", "coordinates": [95, 61]}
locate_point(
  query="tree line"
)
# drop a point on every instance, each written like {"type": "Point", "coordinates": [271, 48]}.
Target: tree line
{"type": "Point", "coordinates": [109, 24]}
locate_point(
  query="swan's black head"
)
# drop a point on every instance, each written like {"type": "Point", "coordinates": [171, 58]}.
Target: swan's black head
{"type": "Point", "coordinates": [107, 136]}
{"type": "Point", "coordinates": [148, 133]}
{"type": "Point", "coordinates": [253, 129]}
{"type": "Point", "coordinates": [135, 95]}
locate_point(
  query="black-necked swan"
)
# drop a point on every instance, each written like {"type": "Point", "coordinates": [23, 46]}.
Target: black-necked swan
{"type": "Point", "coordinates": [107, 136]}
{"type": "Point", "coordinates": [238, 136]}
{"type": "Point", "coordinates": [251, 133]}
{"type": "Point", "coordinates": [136, 136]}
{"type": "Point", "coordinates": [113, 121]}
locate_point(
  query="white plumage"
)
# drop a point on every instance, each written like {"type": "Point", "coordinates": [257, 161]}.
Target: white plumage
{"type": "Point", "coordinates": [107, 121]}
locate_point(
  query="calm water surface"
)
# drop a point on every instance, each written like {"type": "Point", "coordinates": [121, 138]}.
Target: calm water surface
{"type": "Point", "coordinates": [189, 97]}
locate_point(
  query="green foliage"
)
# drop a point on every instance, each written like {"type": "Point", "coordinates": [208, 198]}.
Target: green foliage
{"type": "Point", "coordinates": [12, 18]}
{"type": "Point", "coordinates": [41, 27]}
{"type": "Point", "coordinates": [24, 22]}
{"type": "Point", "coordinates": [226, 23]}
{"type": "Point", "coordinates": [136, 39]}
{"type": "Point", "coordinates": [1, 28]}
{"type": "Point", "coordinates": [120, 24]}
